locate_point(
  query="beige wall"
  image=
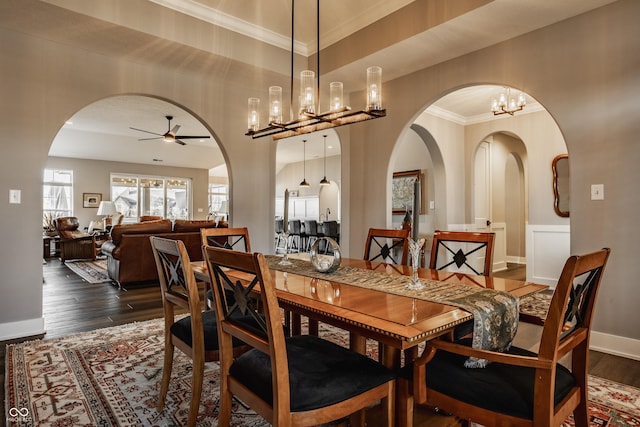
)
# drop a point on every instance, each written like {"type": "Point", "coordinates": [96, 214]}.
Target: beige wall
{"type": "Point", "coordinates": [583, 70]}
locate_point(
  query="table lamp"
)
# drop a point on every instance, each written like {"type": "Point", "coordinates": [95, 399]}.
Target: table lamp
{"type": "Point", "coordinates": [107, 209]}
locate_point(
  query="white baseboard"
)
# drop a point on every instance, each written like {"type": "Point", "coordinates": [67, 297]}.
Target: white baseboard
{"type": "Point", "coordinates": [22, 328]}
{"type": "Point", "coordinates": [513, 259]}
{"type": "Point", "coordinates": [616, 345]}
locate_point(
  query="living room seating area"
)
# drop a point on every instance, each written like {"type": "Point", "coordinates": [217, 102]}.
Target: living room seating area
{"type": "Point", "coordinates": [129, 254]}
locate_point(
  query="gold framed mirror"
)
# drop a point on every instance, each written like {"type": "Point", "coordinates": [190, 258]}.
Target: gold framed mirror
{"type": "Point", "coordinates": [560, 167]}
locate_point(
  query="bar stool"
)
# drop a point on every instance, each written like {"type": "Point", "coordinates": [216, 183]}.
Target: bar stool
{"type": "Point", "coordinates": [311, 233]}
{"type": "Point", "coordinates": [330, 229]}
{"type": "Point", "coordinates": [295, 235]}
{"type": "Point", "coordinates": [279, 238]}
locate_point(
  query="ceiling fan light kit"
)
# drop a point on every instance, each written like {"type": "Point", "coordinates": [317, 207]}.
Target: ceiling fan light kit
{"type": "Point", "coordinates": [309, 119]}
{"type": "Point", "coordinates": [171, 135]}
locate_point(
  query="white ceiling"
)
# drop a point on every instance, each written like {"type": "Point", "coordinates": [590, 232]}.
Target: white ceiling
{"type": "Point", "coordinates": [101, 130]}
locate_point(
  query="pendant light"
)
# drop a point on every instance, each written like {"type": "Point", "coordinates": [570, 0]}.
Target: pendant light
{"type": "Point", "coordinates": [324, 180]}
{"type": "Point", "coordinates": [304, 182]}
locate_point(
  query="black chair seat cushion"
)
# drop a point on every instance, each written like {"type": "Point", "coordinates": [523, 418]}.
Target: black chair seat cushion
{"type": "Point", "coordinates": [498, 387]}
{"type": "Point", "coordinates": [182, 330]}
{"type": "Point", "coordinates": [321, 373]}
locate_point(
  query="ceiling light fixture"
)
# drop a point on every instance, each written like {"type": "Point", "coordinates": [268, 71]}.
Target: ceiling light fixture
{"type": "Point", "coordinates": [304, 182]}
{"type": "Point", "coordinates": [309, 119]}
{"type": "Point", "coordinates": [325, 181]}
{"type": "Point", "coordinates": [504, 103]}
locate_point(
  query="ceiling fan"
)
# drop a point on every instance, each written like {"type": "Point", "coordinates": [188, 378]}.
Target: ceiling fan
{"type": "Point", "coordinates": [170, 135]}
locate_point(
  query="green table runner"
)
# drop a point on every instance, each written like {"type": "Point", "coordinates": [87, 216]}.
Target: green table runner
{"type": "Point", "coordinates": [495, 313]}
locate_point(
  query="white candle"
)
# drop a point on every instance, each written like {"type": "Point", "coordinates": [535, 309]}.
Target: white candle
{"type": "Point", "coordinates": [286, 210]}
{"type": "Point", "coordinates": [416, 208]}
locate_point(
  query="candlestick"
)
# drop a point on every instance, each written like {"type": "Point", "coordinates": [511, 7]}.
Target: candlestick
{"type": "Point", "coordinates": [286, 210]}
{"type": "Point", "coordinates": [285, 259]}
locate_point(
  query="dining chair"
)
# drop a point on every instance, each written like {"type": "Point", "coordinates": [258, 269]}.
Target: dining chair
{"type": "Point", "coordinates": [390, 246]}
{"type": "Point", "coordinates": [196, 334]}
{"type": "Point", "coordinates": [518, 387]}
{"type": "Point", "coordinates": [463, 252]}
{"type": "Point", "coordinates": [228, 238]}
{"type": "Point", "coordinates": [300, 380]}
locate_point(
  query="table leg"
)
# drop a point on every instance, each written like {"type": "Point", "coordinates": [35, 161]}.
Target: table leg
{"type": "Point", "coordinates": [357, 343]}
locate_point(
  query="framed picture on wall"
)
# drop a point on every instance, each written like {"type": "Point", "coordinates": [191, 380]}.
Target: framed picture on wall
{"type": "Point", "coordinates": [91, 200]}
{"type": "Point", "coordinates": [402, 187]}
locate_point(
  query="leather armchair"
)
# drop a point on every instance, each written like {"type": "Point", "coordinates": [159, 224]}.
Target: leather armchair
{"type": "Point", "coordinates": [74, 244]}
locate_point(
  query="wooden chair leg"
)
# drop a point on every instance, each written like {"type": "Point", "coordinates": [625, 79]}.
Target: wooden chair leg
{"type": "Point", "coordinates": [226, 399]}
{"type": "Point", "coordinates": [196, 390]}
{"type": "Point", "coordinates": [166, 374]}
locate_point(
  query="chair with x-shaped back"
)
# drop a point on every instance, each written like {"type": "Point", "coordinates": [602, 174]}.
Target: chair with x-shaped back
{"type": "Point", "coordinates": [196, 334]}
{"type": "Point", "coordinates": [390, 246]}
{"type": "Point", "coordinates": [518, 387]}
{"type": "Point", "coordinates": [302, 380]}
{"type": "Point", "coordinates": [463, 252]}
{"type": "Point", "coordinates": [227, 238]}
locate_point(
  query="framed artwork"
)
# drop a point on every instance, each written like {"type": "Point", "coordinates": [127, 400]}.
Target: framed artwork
{"type": "Point", "coordinates": [91, 200]}
{"type": "Point", "coordinates": [402, 187]}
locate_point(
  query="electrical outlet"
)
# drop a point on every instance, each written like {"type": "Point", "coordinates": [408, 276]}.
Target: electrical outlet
{"type": "Point", "coordinates": [597, 191]}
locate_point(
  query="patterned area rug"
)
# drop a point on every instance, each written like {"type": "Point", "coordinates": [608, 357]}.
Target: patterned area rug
{"type": "Point", "coordinates": [91, 271]}
{"type": "Point", "coordinates": [110, 377]}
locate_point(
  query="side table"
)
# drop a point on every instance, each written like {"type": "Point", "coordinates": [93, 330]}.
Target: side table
{"type": "Point", "coordinates": [50, 246]}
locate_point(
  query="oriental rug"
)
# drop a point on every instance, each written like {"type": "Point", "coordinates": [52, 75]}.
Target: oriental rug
{"type": "Point", "coordinates": [91, 271]}
{"type": "Point", "coordinates": [110, 377]}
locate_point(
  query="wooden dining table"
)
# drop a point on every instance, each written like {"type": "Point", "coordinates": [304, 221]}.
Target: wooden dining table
{"type": "Point", "coordinates": [398, 322]}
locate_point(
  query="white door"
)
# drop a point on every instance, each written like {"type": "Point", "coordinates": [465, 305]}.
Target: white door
{"type": "Point", "coordinates": [483, 204]}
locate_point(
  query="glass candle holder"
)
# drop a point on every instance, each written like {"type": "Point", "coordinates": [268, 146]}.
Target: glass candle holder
{"type": "Point", "coordinates": [253, 117]}
{"type": "Point", "coordinates": [307, 92]}
{"type": "Point", "coordinates": [335, 96]}
{"type": "Point", "coordinates": [374, 88]}
{"type": "Point", "coordinates": [275, 104]}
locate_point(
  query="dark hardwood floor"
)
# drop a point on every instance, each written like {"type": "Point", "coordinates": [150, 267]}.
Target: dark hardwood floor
{"type": "Point", "coordinates": [71, 305]}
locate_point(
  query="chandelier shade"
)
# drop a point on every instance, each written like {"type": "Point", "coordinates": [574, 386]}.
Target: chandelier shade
{"type": "Point", "coordinates": [309, 118]}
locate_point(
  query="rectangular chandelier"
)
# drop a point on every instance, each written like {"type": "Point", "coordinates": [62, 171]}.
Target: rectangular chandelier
{"type": "Point", "coordinates": [308, 119]}
{"type": "Point", "coordinates": [312, 123]}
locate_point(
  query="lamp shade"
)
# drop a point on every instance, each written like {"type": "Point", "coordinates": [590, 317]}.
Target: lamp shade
{"type": "Point", "coordinates": [107, 208]}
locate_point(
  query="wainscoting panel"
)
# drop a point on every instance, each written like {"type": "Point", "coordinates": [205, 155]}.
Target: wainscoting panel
{"type": "Point", "coordinates": [548, 247]}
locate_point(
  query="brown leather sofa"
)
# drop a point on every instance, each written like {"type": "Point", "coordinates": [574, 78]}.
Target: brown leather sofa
{"type": "Point", "coordinates": [129, 255]}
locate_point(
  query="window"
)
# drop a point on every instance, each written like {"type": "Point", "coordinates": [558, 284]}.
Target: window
{"type": "Point", "coordinates": [57, 193]}
{"type": "Point", "coordinates": [218, 196]}
{"type": "Point", "coordinates": [135, 196]}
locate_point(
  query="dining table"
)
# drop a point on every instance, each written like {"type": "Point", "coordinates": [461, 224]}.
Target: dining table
{"type": "Point", "coordinates": [399, 320]}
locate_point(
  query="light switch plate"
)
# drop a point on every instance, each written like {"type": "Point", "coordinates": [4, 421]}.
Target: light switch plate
{"type": "Point", "coordinates": [597, 191]}
{"type": "Point", "coordinates": [14, 196]}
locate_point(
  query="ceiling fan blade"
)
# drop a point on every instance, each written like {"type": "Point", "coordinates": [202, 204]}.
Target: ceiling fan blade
{"type": "Point", "coordinates": [180, 142]}
{"type": "Point", "coordinates": [192, 137]}
{"type": "Point", "coordinates": [175, 129]}
{"type": "Point", "coordinates": [149, 139]}
{"type": "Point", "coordinates": [146, 131]}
